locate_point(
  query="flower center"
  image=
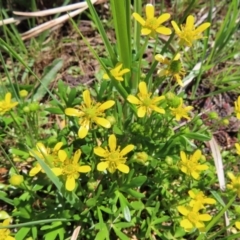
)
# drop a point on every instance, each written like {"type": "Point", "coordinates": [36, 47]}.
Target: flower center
{"type": "Point", "coordinates": [191, 165]}
{"type": "Point", "coordinates": [151, 23]}
{"type": "Point", "coordinates": [175, 66]}
{"type": "Point", "coordinates": [193, 217]}
{"type": "Point", "coordinates": [70, 169]}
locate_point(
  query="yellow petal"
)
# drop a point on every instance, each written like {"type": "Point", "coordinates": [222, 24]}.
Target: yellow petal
{"type": "Point", "coordinates": [112, 142]}
{"type": "Point", "coordinates": [105, 76]}
{"type": "Point", "coordinates": [139, 18]}
{"type": "Point", "coordinates": [183, 210]}
{"type": "Point", "coordinates": [102, 166]}
{"type": "Point", "coordinates": [196, 155]}
{"type": "Point", "coordinates": [231, 176]}
{"type": "Point", "coordinates": [132, 99]}
{"type": "Point", "coordinates": [157, 109]}
{"type": "Point", "coordinates": [62, 155]}
{"type": "Point", "coordinates": [58, 146]}
{"type": "Point", "coordinates": [237, 224]}
{"type": "Point", "coordinates": [190, 22]}
{"type": "Point", "coordinates": [205, 217]}
{"type": "Point", "coordinates": [6, 222]}
{"type": "Point", "coordinates": [186, 224]}
{"type": "Point", "coordinates": [100, 151]}
{"type": "Point", "coordinates": [70, 183]}
{"type": "Point", "coordinates": [164, 30]}
{"type": "Point", "coordinates": [123, 168]}
{"type": "Point", "coordinates": [143, 88]}
{"type": "Point", "coordinates": [159, 58]}
{"type": "Point", "coordinates": [163, 18]}
{"type": "Point", "coordinates": [209, 201]}
{"type": "Point", "coordinates": [76, 156]}
{"type": "Point", "coordinates": [202, 27]}
{"type": "Point", "coordinates": [106, 105]}
{"type": "Point", "coordinates": [57, 171]}
{"type": "Point", "coordinates": [149, 11]}
{"type": "Point", "coordinates": [202, 167]}
{"type": "Point", "coordinates": [141, 111]}
{"type": "Point", "coordinates": [175, 26]}
{"type": "Point", "coordinates": [82, 132]}
{"type": "Point", "coordinates": [41, 148]}
{"type": "Point", "coordinates": [102, 122]}
{"type": "Point", "coordinates": [35, 170]}
{"type": "Point", "coordinates": [157, 99]}
{"type": "Point", "coordinates": [87, 98]}
{"type": "Point", "coordinates": [127, 149]}
{"type": "Point", "coordinates": [73, 112]}
{"type": "Point", "coordinates": [84, 169]}
{"type": "Point", "coordinates": [195, 175]}
{"type": "Point", "coordinates": [191, 194]}
{"type": "Point", "coordinates": [125, 70]}
{"type": "Point", "coordinates": [146, 31]}
{"type": "Point", "coordinates": [177, 57]}
{"type": "Point", "coordinates": [183, 156]}
{"type": "Point", "coordinates": [119, 78]}
{"type": "Point", "coordinates": [8, 97]}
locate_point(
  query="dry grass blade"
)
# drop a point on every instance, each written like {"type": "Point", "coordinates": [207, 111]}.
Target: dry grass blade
{"type": "Point", "coordinates": [53, 10]}
{"type": "Point", "coordinates": [220, 172]}
{"type": "Point", "coordinates": [75, 233]}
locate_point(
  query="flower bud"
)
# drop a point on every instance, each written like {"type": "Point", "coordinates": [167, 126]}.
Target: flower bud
{"type": "Point", "coordinates": [23, 93]}
{"type": "Point", "coordinates": [34, 106]}
{"type": "Point", "coordinates": [92, 185]}
{"type": "Point", "coordinates": [141, 157]}
{"type": "Point", "coordinates": [213, 115]}
{"type": "Point", "coordinates": [172, 100]}
{"type": "Point", "coordinates": [169, 160]}
{"type": "Point", "coordinates": [16, 180]}
{"type": "Point", "coordinates": [111, 119]}
{"type": "Point", "coordinates": [26, 109]}
{"type": "Point", "coordinates": [225, 122]}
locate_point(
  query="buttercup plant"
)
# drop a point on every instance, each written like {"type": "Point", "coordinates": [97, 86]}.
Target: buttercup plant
{"type": "Point", "coordinates": [123, 158]}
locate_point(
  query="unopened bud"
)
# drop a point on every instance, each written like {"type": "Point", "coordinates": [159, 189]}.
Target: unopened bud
{"type": "Point", "coordinates": [16, 180]}
{"type": "Point", "coordinates": [23, 93]}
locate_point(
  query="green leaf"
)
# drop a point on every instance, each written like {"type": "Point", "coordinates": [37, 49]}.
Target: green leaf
{"type": "Point", "coordinates": [121, 235]}
{"type": "Point", "coordinates": [124, 207]}
{"type": "Point", "coordinates": [137, 205]}
{"type": "Point", "coordinates": [123, 225]}
{"type": "Point", "coordinates": [133, 193]}
{"type": "Point", "coordinates": [50, 76]}
{"type": "Point", "coordinates": [55, 110]}
{"type": "Point", "coordinates": [137, 181]}
{"type": "Point", "coordinates": [160, 220]}
{"type": "Point", "coordinates": [22, 233]}
{"type": "Point", "coordinates": [5, 199]}
{"type": "Point", "coordinates": [91, 202]}
{"type": "Point", "coordinates": [197, 136]}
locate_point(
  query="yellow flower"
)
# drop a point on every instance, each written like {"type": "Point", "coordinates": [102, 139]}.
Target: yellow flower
{"type": "Point", "coordinates": [144, 101]}
{"type": "Point", "coordinates": [192, 218]}
{"type": "Point", "coordinates": [48, 155]}
{"type": "Point", "coordinates": [113, 158]}
{"type": "Point", "coordinates": [173, 68]}
{"type": "Point", "coordinates": [153, 25]}
{"type": "Point", "coordinates": [188, 34]}
{"type": "Point", "coordinates": [199, 198]}
{"type": "Point", "coordinates": [235, 184]}
{"type": "Point", "coordinates": [5, 233]}
{"type": "Point", "coordinates": [117, 72]}
{"type": "Point", "coordinates": [71, 169]}
{"type": "Point", "coordinates": [181, 111]}
{"type": "Point", "coordinates": [6, 104]}
{"type": "Point", "coordinates": [90, 112]}
{"type": "Point", "coordinates": [237, 145]}
{"type": "Point", "coordinates": [237, 107]}
{"type": "Point", "coordinates": [190, 165]}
